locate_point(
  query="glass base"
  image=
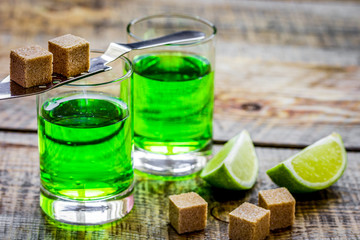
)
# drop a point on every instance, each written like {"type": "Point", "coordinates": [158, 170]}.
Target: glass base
{"type": "Point", "coordinates": [93, 212]}
{"type": "Point", "coordinates": [170, 165]}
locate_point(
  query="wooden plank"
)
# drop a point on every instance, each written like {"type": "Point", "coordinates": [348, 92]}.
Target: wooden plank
{"type": "Point", "coordinates": [296, 31]}
{"type": "Point", "coordinates": [332, 213]}
{"type": "Point", "coordinates": [256, 88]}
{"type": "Point", "coordinates": [278, 103]}
{"type": "Point", "coordinates": [19, 114]}
{"type": "Point", "coordinates": [285, 103]}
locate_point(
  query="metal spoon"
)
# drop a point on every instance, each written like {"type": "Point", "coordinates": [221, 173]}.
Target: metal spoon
{"type": "Point", "coordinates": [10, 89]}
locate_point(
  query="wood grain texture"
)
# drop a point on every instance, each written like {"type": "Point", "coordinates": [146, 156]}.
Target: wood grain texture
{"type": "Point", "coordinates": [285, 71]}
{"type": "Point", "coordinates": [333, 213]}
{"type": "Point", "coordinates": [325, 32]}
{"type": "Point", "coordinates": [287, 103]}
{"type": "Point", "coordinates": [278, 103]}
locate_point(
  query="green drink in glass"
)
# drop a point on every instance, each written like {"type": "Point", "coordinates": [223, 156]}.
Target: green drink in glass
{"type": "Point", "coordinates": [174, 102]}
{"type": "Point", "coordinates": [78, 132]}
{"type": "Point", "coordinates": [85, 143]}
{"type": "Point", "coordinates": [173, 97]}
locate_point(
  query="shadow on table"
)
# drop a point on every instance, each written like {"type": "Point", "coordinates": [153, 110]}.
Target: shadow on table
{"type": "Point", "coordinates": [192, 235]}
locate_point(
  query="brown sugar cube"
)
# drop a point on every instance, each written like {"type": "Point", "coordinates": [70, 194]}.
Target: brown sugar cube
{"type": "Point", "coordinates": [281, 204]}
{"type": "Point", "coordinates": [187, 212]}
{"type": "Point", "coordinates": [71, 55]}
{"type": "Point", "coordinates": [249, 221]}
{"type": "Point", "coordinates": [31, 66]}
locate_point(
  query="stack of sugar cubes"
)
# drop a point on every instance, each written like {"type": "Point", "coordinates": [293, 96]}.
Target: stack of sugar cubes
{"type": "Point", "coordinates": [188, 213]}
{"type": "Point", "coordinates": [31, 66]}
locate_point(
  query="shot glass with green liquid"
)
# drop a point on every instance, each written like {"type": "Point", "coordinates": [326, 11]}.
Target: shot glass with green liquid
{"type": "Point", "coordinates": [85, 143]}
{"type": "Point", "coordinates": [173, 96]}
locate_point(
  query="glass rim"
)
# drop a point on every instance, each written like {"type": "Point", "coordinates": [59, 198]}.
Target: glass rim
{"type": "Point", "coordinates": [173, 15]}
{"type": "Point", "coordinates": [119, 79]}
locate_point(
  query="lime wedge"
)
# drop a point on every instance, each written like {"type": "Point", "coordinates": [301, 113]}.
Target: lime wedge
{"type": "Point", "coordinates": [314, 168]}
{"type": "Point", "coordinates": [235, 166]}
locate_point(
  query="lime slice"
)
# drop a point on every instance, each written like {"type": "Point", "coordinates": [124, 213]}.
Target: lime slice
{"type": "Point", "coordinates": [235, 166]}
{"type": "Point", "coordinates": [316, 167]}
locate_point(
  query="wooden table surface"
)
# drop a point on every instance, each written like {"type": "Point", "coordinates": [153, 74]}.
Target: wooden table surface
{"type": "Point", "coordinates": [288, 72]}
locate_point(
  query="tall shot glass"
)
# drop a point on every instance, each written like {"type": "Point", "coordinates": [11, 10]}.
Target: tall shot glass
{"type": "Point", "coordinates": [173, 96]}
{"type": "Point", "coordinates": [85, 143]}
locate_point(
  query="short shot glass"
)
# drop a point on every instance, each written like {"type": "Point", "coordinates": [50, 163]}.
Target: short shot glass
{"type": "Point", "coordinates": [173, 96]}
{"type": "Point", "coordinates": [85, 143]}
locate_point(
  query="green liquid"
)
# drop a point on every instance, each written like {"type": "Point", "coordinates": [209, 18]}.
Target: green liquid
{"type": "Point", "coordinates": [85, 146]}
{"type": "Point", "coordinates": [173, 95]}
